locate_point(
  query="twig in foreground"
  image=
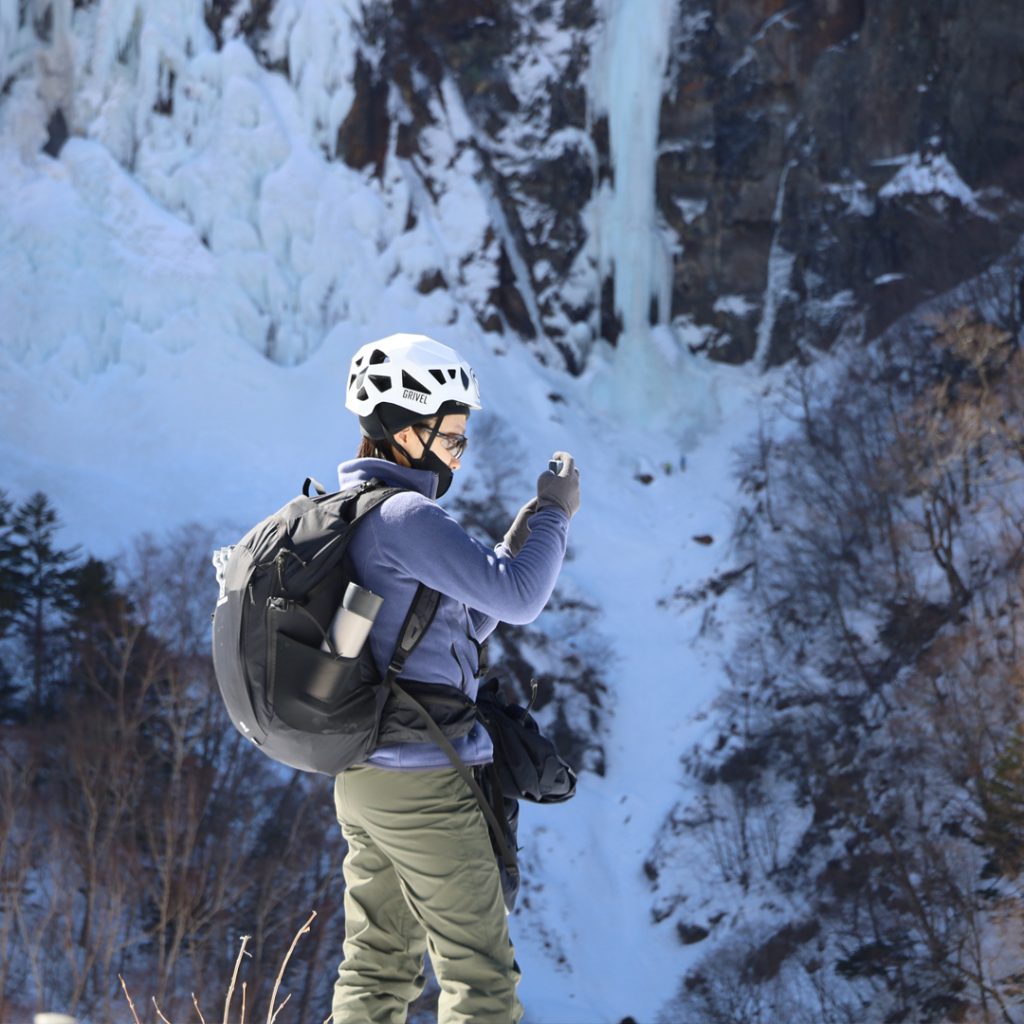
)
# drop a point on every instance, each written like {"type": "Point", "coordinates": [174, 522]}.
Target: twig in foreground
{"type": "Point", "coordinates": [158, 1011]}
{"type": "Point", "coordinates": [131, 1005]}
{"type": "Point", "coordinates": [195, 1003]}
{"type": "Point", "coordinates": [280, 974]}
{"type": "Point", "coordinates": [284, 1003]}
{"type": "Point", "coordinates": [234, 978]}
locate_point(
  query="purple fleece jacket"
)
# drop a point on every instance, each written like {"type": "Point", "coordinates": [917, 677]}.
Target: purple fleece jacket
{"type": "Point", "coordinates": [410, 539]}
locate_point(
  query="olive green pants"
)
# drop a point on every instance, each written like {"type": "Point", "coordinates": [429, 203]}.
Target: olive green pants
{"type": "Point", "coordinates": [420, 876]}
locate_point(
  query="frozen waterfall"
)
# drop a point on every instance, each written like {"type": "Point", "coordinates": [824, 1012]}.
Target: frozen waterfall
{"type": "Point", "coordinates": [629, 72]}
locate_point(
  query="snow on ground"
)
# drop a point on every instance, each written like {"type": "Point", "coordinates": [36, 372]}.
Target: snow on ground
{"type": "Point", "coordinates": [925, 175]}
{"type": "Point", "coordinates": [634, 545]}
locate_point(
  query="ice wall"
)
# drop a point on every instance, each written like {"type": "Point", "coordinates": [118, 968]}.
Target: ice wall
{"type": "Point", "coordinates": [241, 153]}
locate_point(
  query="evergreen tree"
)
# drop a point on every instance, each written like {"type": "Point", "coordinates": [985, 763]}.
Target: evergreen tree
{"type": "Point", "coordinates": [93, 593]}
{"type": "Point", "coordinates": [8, 561]}
{"type": "Point", "coordinates": [41, 577]}
{"type": "Point", "coordinates": [97, 614]}
{"type": "Point", "coordinates": [8, 603]}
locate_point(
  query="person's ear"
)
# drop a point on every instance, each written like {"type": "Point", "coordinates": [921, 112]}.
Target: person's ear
{"type": "Point", "coordinates": [404, 437]}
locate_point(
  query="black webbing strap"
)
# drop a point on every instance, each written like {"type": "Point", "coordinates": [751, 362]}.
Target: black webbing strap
{"type": "Point", "coordinates": [507, 855]}
{"type": "Point", "coordinates": [371, 494]}
{"type": "Point", "coordinates": [417, 621]}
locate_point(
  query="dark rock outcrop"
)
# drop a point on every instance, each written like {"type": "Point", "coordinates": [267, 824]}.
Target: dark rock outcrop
{"type": "Point", "coordinates": [780, 129]}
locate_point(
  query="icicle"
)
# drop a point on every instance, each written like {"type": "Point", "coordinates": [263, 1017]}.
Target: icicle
{"type": "Point", "coordinates": [322, 45]}
{"type": "Point", "coordinates": [628, 78]}
{"type": "Point", "coordinates": [56, 67]}
{"type": "Point", "coordinates": [780, 267]}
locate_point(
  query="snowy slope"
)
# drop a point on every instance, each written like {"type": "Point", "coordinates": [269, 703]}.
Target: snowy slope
{"type": "Point", "coordinates": [634, 546]}
{"type": "Point", "coordinates": [213, 432]}
{"type": "Point", "coordinates": [185, 424]}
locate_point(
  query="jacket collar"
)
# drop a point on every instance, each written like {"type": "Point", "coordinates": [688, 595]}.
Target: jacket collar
{"type": "Point", "coordinates": [357, 471]}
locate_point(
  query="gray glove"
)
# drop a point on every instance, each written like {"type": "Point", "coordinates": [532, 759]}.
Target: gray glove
{"type": "Point", "coordinates": [517, 533]}
{"type": "Point", "coordinates": [561, 490]}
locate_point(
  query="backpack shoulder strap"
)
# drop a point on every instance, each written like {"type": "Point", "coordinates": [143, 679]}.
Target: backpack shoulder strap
{"type": "Point", "coordinates": [417, 621]}
{"type": "Point", "coordinates": [372, 494]}
{"type": "Point", "coordinates": [368, 494]}
{"type": "Point", "coordinates": [497, 832]}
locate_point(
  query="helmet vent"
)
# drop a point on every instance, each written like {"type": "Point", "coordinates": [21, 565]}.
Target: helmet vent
{"type": "Point", "coordinates": [451, 373]}
{"type": "Point", "coordinates": [351, 380]}
{"type": "Point", "coordinates": [378, 357]}
{"type": "Point", "coordinates": [465, 379]}
{"type": "Point", "coordinates": [410, 383]}
{"type": "Point", "coordinates": [358, 361]}
{"type": "Point", "coordinates": [380, 383]}
{"type": "Point", "coordinates": [438, 375]}
{"type": "Point", "coordinates": [362, 395]}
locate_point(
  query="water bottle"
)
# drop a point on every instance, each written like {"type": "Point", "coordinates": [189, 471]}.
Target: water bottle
{"type": "Point", "coordinates": [352, 621]}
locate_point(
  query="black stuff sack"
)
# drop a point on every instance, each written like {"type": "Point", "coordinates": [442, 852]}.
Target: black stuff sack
{"type": "Point", "coordinates": [527, 763]}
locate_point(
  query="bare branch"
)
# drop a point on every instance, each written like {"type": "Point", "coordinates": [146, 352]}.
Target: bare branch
{"type": "Point", "coordinates": [234, 977]}
{"type": "Point", "coordinates": [131, 1005]}
{"type": "Point", "coordinates": [291, 949]}
{"type": "Point", "coordinates": [284, 1003]}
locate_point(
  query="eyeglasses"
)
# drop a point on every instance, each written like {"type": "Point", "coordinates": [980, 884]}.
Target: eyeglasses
{"type": "Point", "coordinates": [454, 444]}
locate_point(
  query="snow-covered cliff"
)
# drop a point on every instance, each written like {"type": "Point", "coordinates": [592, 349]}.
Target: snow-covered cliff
{"type": "Point", "coordinates": [625, 214]}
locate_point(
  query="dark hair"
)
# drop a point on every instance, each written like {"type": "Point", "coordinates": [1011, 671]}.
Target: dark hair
{"type": "Point", "coordinates": [370, 448]}
{"type": "Point", "coordinates": [375, 450]}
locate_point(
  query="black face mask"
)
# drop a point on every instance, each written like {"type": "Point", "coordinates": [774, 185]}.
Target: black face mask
{"type": "Point", "coordinates": [428, 460]}
{"type": "Point", "coordinates": [431, 462]}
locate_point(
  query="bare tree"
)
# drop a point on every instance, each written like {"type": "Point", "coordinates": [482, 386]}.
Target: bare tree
{"type": "Point", "coordinates": [141, 835]}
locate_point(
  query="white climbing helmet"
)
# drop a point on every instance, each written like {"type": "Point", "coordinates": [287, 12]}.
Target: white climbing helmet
{"type": "Point", "coordinates": [405, 378]}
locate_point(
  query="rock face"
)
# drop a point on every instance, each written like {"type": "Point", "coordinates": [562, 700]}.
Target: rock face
{"type": "Point", "coordinates": [786, 171]}
{"type": "Point", "coordinates": [822, 166]}
{"type": "Point", "coordinates": [518, 72]}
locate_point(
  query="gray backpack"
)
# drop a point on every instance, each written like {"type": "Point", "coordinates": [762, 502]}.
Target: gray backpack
{"type": "Point", "coordinates": [304, 707]}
